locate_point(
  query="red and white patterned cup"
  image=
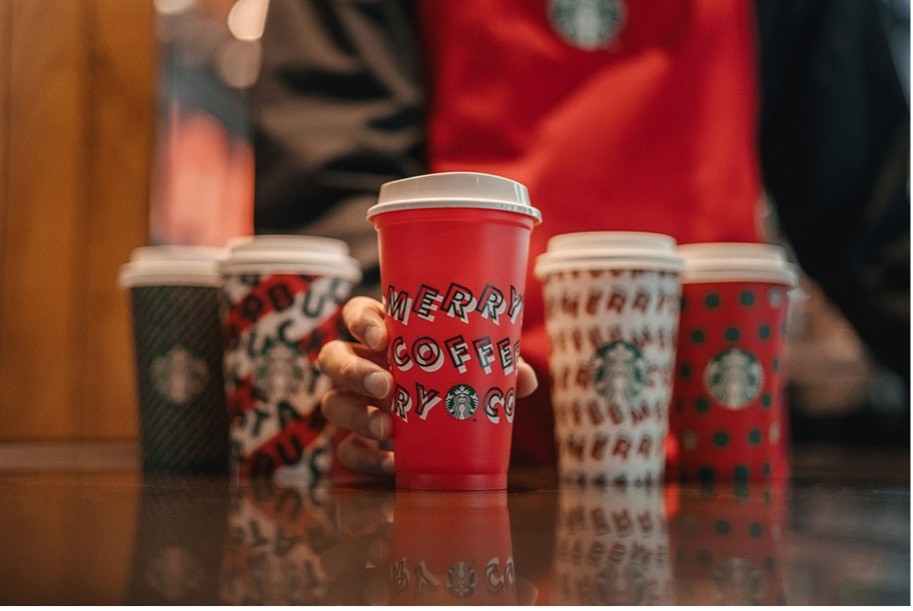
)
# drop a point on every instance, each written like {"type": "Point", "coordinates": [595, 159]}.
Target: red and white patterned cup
{"type": "Point", "coordinates": [611, 312]}
{"type": "Point", "coordinates": [282, 301]}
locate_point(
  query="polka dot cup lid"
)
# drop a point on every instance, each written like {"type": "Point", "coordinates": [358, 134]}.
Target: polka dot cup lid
{"type": "Point", "coordinates": [171, 265]}
{"type": "Point", "coordinates": [292, 254]}
{"type": "Point", "coordinates": [592, 250]}
{"type": "Point", "coordinates": [737, 262]}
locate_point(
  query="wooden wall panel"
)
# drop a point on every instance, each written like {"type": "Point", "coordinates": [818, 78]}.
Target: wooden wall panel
{"type": "Point", "coordinates": [123, 90]}
{"type": "Point", "coordinates": [78, 118]}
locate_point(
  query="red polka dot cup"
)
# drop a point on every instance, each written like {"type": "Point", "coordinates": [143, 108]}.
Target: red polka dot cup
{"type": "Point", "coordinates": [611, 313]}
{"type": "Point", "coordinates": [453, 258]}
{"type": "Point", "coordinates": [728, 414]}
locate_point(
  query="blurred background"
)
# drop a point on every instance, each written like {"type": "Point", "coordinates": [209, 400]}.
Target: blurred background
{"type": "Point", "coordinates": [126, 123]}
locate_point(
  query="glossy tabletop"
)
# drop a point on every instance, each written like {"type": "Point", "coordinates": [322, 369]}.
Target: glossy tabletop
{"type": "Point", "coordinates": [838, 533]}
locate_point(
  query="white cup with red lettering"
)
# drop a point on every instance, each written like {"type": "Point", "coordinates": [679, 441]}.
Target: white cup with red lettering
{"type": "Point", "coordinates": [611, 312]}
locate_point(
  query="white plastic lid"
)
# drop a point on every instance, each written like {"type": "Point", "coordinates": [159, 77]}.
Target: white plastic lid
{"type": "Point", "coordinates": [592, 250]}
{"type": "Point", "coordinates": [293, 254]}
{"type": "Point", "coordinates": [737, 262]}
{"type": "Point", "coordinates": [172, 265]}
{"type": "Point", "coordinates": [454, 190]}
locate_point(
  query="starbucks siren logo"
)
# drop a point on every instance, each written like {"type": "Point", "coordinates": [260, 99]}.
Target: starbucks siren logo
{"type": "Point", "coordinates": [277, 372]}
{"type": "Point", "coordinates": [619, 372]}
{"type": "Point", "coordinates": [739, 581]}
{"type": "Point", "coordinates": [734, 378]}
{"type": "Point", "coordinates": [461, 402]}
{"type": "Point", "coordinates": [461, 579]}
{"type": "Point", "coordinates": [179, 376]}
{"type": "Point", "coordinates": [587, 24]}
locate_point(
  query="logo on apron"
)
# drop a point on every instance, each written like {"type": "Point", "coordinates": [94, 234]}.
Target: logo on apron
{"type": "Point", "coordinates": [587, 24]}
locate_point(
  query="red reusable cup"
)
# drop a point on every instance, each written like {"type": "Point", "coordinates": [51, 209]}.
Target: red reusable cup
{"type": "Point", "coordinates": [728, 416]}
{"type": "Point", "coordinates": [452, 548]}
{"type": "Point", "coordinates": [453, 257]}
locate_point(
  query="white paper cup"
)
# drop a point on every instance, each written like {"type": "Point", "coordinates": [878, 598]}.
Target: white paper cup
{"type": "Point", "coordinates": [611, 308]}
{"type": "Point", "coordinates": [282, 299]}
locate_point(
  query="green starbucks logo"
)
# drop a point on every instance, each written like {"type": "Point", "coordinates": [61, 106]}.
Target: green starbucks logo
{"type": "Point", "coordinates": [179, 375]}
{"type": "Point", "coordinates": [619, 372]}
{"type": "Point", "coordinates": [461, 402]}
{"type": "Point", "coordinates": [734, 378]}
{"type": "Point", "coordinates": [587, 24]}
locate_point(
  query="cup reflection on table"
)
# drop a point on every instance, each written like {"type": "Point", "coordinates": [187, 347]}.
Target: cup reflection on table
{"type": "Point", "coordinates": [299, 545]}
{"type": "Point", "coordinates": [179, 529]}
{"type": "Point", "coordinates": [728, 545]}
{"type": "Point", "coordinates": [612, 547]}
{"type": "Point", "coordinates": [452, 548]}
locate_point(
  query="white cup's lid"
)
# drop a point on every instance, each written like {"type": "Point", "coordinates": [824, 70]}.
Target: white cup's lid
{"type": "Point", "coordinates": [172, 265]}
{"type": "Point", "coordinates": [295, 254]}
{"type": "Point", "coordinates": [592, 250]}
{"type": "Point", "coordinates": [454, 190]}
{"type": "Point", "coordinates": [735, 262]}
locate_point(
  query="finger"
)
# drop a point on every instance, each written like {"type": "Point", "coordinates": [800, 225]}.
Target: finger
{"type": "Point", "coordinates": [358, 454]}
{"type": "Point", "coordinates": [347, 367]}
{"type": "Point", "coordinates": [527, 382]}
{"type": "Point", "coordinates": [352, 411]}
{"type": "Point", "coordinates": [364, 317]}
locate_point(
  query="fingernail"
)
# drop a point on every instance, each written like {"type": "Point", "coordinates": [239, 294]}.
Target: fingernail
{"type": "Point", "coordinates": [373, 337]}
{"type": "Point", "coordinates": [387, 466]}
{"type": "Point", "coordinates": [377, 426]}
{"type": "Point", "coordinates": [377, 385]}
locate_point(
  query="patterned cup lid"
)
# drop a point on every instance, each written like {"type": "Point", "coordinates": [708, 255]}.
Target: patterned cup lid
{"type": "Point", "coordinates": [294, 254]}
{"type": "Point", "coordinates": [593, 250]}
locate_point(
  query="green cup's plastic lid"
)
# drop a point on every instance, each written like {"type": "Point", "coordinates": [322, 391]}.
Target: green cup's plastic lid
{"type": "Point", "coordinates": [172, 265]}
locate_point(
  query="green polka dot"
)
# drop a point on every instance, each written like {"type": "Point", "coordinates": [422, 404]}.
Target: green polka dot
{"type": "Point", "coordinates": [764, 331]}
{"type": "Point", "coordinates": [765, 469]}
{"type": "Point", "coordinates": [712, 301]}
{"type": "Point", "coordinates": [740, 473]}
{"type": "Point", "coordinates": [775, 364]}
{"type": "Point", "coordinates": [697, 336]}
{"type": "Point", "coordinates": [683, 303]}
{"type": "Point", "coordinates": [755, 530]}
{"type": "Point", "coordinates": [720, 439]}
{"type": "Point", "coordinates": [702, 405]}
{"type": "Point", "coordinates": [684, 370]}
{"type": "Point", "coordinates": [747, 299]}
{"type": "Point", "coordinates": [722, 527]}
{"type": "Point", "coordinates": [774, 296]}
{"type": "Point", "coordinates": [754, 437]}
{"type": "Point", "coordinates": [766, 400]}
{"type": "Point", "coordinates": [704, 558]}
{"type": "Point", "coordinates": [706, 475]}
{"type": "Point", "coordinates": [770, 564]}
{"type": "Point", "coordinates": [732, 334]}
